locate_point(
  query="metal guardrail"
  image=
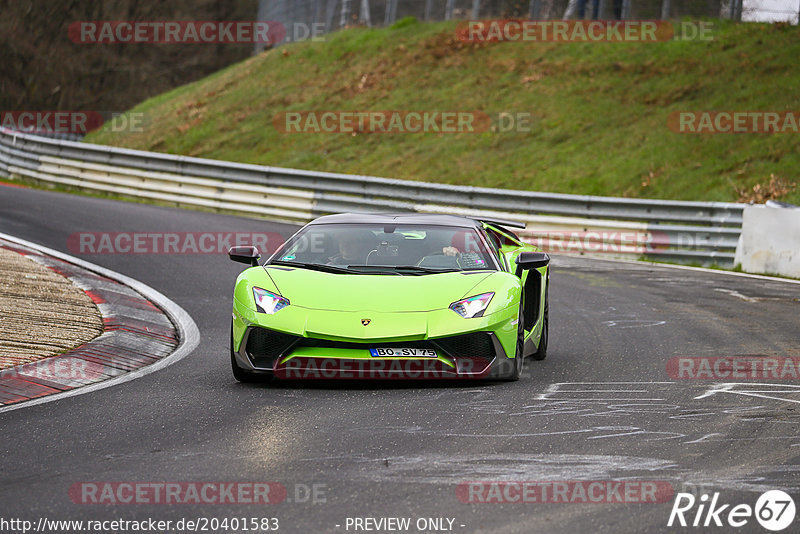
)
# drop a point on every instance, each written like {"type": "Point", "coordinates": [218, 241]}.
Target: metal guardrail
{"type": "Point", "coordinates": [704, 232]}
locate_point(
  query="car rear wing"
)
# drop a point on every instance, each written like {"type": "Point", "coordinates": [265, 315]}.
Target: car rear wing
{"type": "Point", "coordinates": [500, 222]}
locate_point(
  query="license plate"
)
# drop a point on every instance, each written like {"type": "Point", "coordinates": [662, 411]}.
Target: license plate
{"type": "Point", "coordinates": [402, 353]}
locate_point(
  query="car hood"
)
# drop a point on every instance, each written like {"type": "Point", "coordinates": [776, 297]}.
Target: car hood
{"type": "Point", "coordinates": [373, 292]}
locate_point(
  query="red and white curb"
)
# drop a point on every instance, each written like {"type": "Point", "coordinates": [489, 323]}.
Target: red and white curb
{"type": "Point", "coordinates": [144, 331]}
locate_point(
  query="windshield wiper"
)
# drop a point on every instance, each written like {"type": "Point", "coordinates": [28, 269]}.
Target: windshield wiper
{"type": "Point", "coordinates": [315, 266]}
{"type": "Point", "coordinates": [400, 269]}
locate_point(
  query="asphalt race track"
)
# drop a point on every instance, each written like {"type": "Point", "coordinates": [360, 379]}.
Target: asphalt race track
{"type": "Point", "coordinates": [602, 406]}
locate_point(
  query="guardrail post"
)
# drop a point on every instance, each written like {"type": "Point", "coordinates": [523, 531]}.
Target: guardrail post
{"type": "Point", "coordinates": [533, 9]}
{"type": "Point", "coordinates": [666, 9]}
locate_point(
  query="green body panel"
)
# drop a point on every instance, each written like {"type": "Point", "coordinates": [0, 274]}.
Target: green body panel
{"type": "Point", "coordinates": [385, 293]}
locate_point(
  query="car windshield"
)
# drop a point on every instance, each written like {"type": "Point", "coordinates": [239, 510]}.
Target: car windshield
{"type": "Point", "coordinates": [386, 249]}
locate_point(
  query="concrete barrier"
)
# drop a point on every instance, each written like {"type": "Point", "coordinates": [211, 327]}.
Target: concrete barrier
{"type": "Point", "coordinates": [770, 240]}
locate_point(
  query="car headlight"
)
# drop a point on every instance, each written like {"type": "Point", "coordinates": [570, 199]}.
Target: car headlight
{"type": "Point", "coordinates": [472, 306]}
{"type": "Point", "coordinates": [268, 302]}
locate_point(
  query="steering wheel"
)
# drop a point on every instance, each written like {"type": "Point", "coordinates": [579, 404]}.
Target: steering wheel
{"type": "Point", "coordinates": [456, 257]}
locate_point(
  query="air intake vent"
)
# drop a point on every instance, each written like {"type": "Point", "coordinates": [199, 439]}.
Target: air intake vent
{"type": "Point", "coordinates": [264, 345]}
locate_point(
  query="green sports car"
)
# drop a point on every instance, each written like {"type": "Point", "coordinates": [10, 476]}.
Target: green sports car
{"type": "Point", "coordinates": [391, 296]}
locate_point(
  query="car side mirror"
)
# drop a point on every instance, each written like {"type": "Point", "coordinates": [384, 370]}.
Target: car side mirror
{"type": "Point", "coordinates": [246, 254]}
{"type": "Point", "coordinates": [531, 260]}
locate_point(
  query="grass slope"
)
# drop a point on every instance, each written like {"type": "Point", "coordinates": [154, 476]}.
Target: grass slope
{"type": "Point", "coordinates": [600, 111]}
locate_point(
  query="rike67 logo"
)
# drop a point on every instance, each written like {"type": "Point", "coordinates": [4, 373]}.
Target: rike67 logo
{"type": "Point", "coordinates": [774, 510]}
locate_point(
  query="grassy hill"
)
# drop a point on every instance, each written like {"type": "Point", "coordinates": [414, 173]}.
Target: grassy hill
{"type": "Point", "coordinates": [599, 111]}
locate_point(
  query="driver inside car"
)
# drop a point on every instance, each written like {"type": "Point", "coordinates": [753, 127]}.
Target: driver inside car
{"type": "Point", "coordinates": [353, 248]}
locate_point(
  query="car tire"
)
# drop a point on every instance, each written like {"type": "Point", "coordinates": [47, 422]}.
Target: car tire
{"type": "Point", "coordinates": [242, 375]}
{"type": "Point", "coordinates": [541, 352]}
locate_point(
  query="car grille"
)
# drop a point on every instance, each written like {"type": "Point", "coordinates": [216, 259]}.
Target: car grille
{"type": "Point", "coordinates": [475, 345]}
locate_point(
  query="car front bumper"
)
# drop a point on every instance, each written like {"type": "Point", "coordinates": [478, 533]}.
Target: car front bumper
{"type": "Point", "coordinates": [336, 345]}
